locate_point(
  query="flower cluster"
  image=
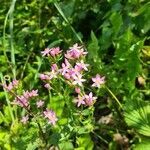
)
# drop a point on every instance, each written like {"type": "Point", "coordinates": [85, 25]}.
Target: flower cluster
{"type": "Point", "coordinates": [74, 74]}
{"type": "Point", "coordinates": [72, 70]}
{"type": "Point", "coordinates": [12, 85]}
{"type": "Point", "coordinates": [23, 100]}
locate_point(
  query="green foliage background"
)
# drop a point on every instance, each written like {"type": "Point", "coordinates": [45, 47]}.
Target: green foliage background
{"type": "Point", "coordinates": [116, 35]}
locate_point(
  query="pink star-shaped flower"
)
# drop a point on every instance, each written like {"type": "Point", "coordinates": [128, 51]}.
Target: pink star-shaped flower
{"type": "Point", "coordinates": [98, 81]}
{"type": "Point", "coordinates": [75, 52]}
{"type": "Point", "coordinates": [81, 66]}
{"type": "Point", "coordinates": [39, 103]}
{"type": "Point", "coordinates": [55, 51]}
{"type": "Point", "coordinates": [78, 80]}
{"type": "Point", "coordinates": [80, 101]}
{"type": "Point", "coordinates": [51, 51]}
{"type": "Point", "coordinates": [51, 116]}
{"type": "Point", "coordinates": [46, 52]}
{"type": "Point", "coordinates": [89, 99]}
{"type": "Point", "coordinates": [65, 67]}
{"type": "Point", "coordinates": [25, 119]}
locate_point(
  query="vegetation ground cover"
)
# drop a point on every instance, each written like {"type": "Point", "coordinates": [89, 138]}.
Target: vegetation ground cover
{"type": "Point", "coordinates": [74, 74]}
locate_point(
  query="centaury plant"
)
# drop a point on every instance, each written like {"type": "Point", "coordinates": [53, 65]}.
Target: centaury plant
{"type": "Point", "coordinates": [68, 109]}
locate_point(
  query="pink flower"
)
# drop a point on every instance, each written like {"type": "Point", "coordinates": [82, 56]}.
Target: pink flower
{"type": "Point", "coordinates": [51, 51]}
{"type": "Point", "coordinates": [15, 82]}
{"type": "Point", "coordinates": [67, 76]}
{"type": "Point", "coordinates": [51, 116]}
{"type": "Point", "coordinates": [80, 101]}
{"type": "Point", "coordinates": [30, 94]}
{"type": "Point", "coordinates": [65, 67]}
{"type": "Point", "coordinates": [8, 87]}
{"type": "Point", "coordinates": [39, 103]}
{"type": "Point", "coordinates": [47, 86]}
{"type": "Point", "coordinates": [98, 81]}
{"type": "Point", "coordinates": [44, 77]}
{"type": "Point", "coordinates": [75, 52]}
{"type": "Point", "coordinates": [81, 66]}
{"type": "Point", "coordinates": [33, 93]}
{"type": "Point", "coordinates": [26, 94]}
{"type": "Point", "coordinates": [72, 72]}
{"type": "Point", "coordinates": [54, 67]}
{"type": "Point", "coordinates": [52, 74]}
{"type": "Point", "coordinates": [11, 85]}
{"type": "Point", "coordinates": [77, 90]}
{"type": "Point", "coordinates": [55, 51]}
{"type": "Point", "coordinates": [89, 99]}
{"type": "Point", "coordinates": [25, 119]}
{"type": "Point", "coordinates": [49, 75]}
{"type": "Point", "coordinates": [46, 52]}
{"type": "Point", "coordinates": [78, 80]}
{"type": "Point", "coordinates": [21, 101]}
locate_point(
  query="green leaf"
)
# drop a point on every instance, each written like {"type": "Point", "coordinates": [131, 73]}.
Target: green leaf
{"type": "Point", "coordinates": [68, 8]}
{"type": "Point", "coordinates": [84, 141]}
{"type": "Point", "coordinates": [144, 145]}
{"type": "Point", "coordinates": [54, 138]}
{"type": "Point", "coordinates": [63, 121]}
{"type": "Point", "coordinates": [93, 47]}
{"type": "Point", "coordinates": [116, 23]}
{"type": "Point", "coordinates": [127, 58]}
{"type": "Point", "coordinates": [66, 145]}
{"type": "Point", "coordinates": [57, 104]}
{"type": "Point", "coordinates": [137, 115]}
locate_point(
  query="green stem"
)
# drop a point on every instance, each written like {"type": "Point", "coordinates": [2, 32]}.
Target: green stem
{"type": "Point", "coordinates": [101, 138]}
{"type": "Point", "coordinates": [115, 98]}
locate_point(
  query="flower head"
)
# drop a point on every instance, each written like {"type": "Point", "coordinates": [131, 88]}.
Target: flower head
{"type": "Point", "coordinates": [75, 52]}
{"type": "Point", "coordinates": [51, 51]}
{"type": "Point", "coordinates": [98, 81]}
{"type": "Point", "coordinates": [44, 77]}
{"type": "Point", "coordinates": [78, 80]}
{"type": "Point", "coordinates": [46, 52]}
{"type": "Point", "coordinates": [33, 93]}
{"type": "Point", "coordinates": [55, 51]}
{"type": "Point", "coordinates": [81, 66]}
{"type": "Point", "coordinates": [65, 66]}
{"type": "Point", "coordinates": [54, 67]}
{"type": "Point", "coordinates": [11, 85]}
{"type": "Point", "coordinates": [39, 103]}
{"type": "Point", "coordinates": [25, 119]}
{"type": "Point", "coordinates": [23, 100]}
{"type": "Point", "coordinates": [47, 86]}
{"type": "Point", "coordinates": [51, 116]}
{"type": "Point", "coordinates": [89, 99]}
{"type": "Point", "coordinates": [77, 90]}
{"type": "Point", "coordinates": [80, 101]}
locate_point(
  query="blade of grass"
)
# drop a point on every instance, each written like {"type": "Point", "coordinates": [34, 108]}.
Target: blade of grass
{"type": "Point", "coordinates": [67, 21]}
{"type": "Point", "coordinates": [7, 100]}
{"type": "Point", "coordinates": [11, 37]}
{"type": "Point", "coordinates": [10, 16]}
